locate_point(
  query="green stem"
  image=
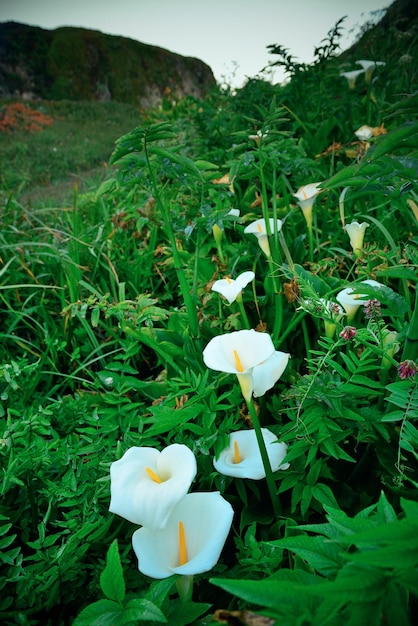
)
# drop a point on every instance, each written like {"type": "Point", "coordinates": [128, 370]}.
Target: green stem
{"type": "Point", "coordinates": [184, 586]}
{"type": "Point", "coordinates": [265, 458]}
{"type": "Point", "coordinates": [242, 311]}
{"type": "Point", "coordinates": [410, 349]}
{"type": "Point", "coordinates": [311, 243]}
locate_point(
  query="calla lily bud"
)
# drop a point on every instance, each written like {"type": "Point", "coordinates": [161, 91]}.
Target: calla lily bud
{"type": "Point", "coordinates": [146, 484]}
{"type": "Point", "coordinates": [242, 458]}
{"type": "Point", "coordinates": [192, 540]}
{"type": "Point", "coordinates": [356, 232]}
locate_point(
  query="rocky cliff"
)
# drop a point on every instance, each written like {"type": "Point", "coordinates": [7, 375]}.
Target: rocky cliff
{"type": "Point", "coordinates": [81, 64]}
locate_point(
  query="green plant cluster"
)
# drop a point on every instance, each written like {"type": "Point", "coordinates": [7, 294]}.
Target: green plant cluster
{"type": "Point", "coordinates": [106, 306]}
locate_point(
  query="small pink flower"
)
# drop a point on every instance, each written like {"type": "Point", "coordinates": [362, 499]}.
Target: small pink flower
{"type": "Point", "coordinates": [407, 369]}
{"type": "Point", "coordinates": [348, 332]}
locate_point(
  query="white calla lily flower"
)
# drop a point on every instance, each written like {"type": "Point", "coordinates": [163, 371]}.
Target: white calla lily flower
{"type": "Point", "coordinates": [266, 374]}
{"type": "Point", "coordinates": [242, 458]}
{"type": "Point", "coordinates": [368, 67]}
{"type": "Point", "coordinates": [146, 484]}
{"type": "Point", "coordinates": [356, 232]}
{"type": "Point", "coordinates": [191, 541]}
{"type": "Point", "coordinates": [259, 229]}
{"type": "Point", "coordinates": [306, 196]}
{"type": "Point", "coordinates": [238, 353]}
{"type": "Point", "coordinates": [230, 288]}
{"type": "Point", "coordinates": [351, 301]}
{"type": "Point", "coordinates": [352, 77]}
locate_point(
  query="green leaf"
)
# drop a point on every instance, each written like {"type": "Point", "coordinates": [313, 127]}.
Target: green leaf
{"type": "Point", "coordinates": [101, 613]}
{"type": "Point", "coordinates": [322, 555]}
{"type": "Point", "coordinates": [284, 587]}
{"type": "Point", "coordinates": [111, 579]}
{"type": "Point", "coordinates": [392, 141]}
{"type": "Point", "coordinates": [140, 609]}
{"type": "Point", "coordinates": [187, 612]}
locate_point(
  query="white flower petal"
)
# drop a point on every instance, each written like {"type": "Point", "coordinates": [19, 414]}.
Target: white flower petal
{"type": "Point", "coordinates": [140, 499]}
{"type": "Point", "coordinates": [207, 519]}
{"type": "Point", "coordinates": [266, 374]}
{"type": "Point", "coordinates": [251, 464]}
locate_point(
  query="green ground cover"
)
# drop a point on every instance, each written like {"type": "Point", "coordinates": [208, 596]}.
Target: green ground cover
{"type": "Point", "coordinates": [115, 335]}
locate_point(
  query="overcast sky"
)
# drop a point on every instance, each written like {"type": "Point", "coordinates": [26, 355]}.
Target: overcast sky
{"type": "Point", "coordinates": [231, 36]}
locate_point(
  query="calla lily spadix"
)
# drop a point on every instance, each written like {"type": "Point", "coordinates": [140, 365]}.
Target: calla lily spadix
{"type": "Point", "coordinates": [242, 458]}
{"type": "Point", "coordinates": [241, 353]}
{"type": "Point", "coordinates": [351, 301]}
{"type": "Point", "coordinates": [231, 288]}
{"type": "Point", "coordinates": [259, 229]}
{"type": "Point", "coordinates": [191, 541]}
{"type": "Point", "coordinates": [146, 484]}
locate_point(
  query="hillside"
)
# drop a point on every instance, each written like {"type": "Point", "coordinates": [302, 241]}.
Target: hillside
{"type": "Point", "coordinates": [81, 64]}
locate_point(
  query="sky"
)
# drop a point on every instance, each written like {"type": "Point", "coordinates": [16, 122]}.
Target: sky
{"type": "Point", "coordinates": [231, 36]}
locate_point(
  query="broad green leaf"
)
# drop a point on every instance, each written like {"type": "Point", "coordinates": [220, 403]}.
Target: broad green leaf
{"type": "Point", "coordinates": [111, 579]}
{"type": "Point", "coordinates": [142, 610]}
{"type": "Point", "coordinates": [101, 613]}
{"type": "Point", "coordinates": [392, 141]}
{"type": "Point", "coordinates": [187, 612]}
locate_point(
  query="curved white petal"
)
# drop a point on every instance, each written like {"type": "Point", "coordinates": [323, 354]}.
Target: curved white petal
{"type": "Point", "coordinates": [266, 374]}
{"type": "Point", "coordinates": [251, 464]}
{"type": "Point", "coordinates": [140, 499]}
{"type": "Point", "coordinates": [245, 278]}
{"type": "Point", "coordinates": [250, 346]}
{"type": "Point", "coordinates": [207, 519]}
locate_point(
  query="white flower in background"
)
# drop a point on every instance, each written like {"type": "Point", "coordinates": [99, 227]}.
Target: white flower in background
{"type": "Point", "coordinates": [231, 288]}
{"type": "Point", "coordinates": [258, 136]}
{"type": "Point", "coordinates": [352, 77]}
{"type": "Point", "coordinates": [356, 231]}
{"type": "Point", "coordinates": [240, 353]}
{"type": "Point", "coordinates": [364, 133]}
{"type": "Point", "coordinates": [234, 212]}
{"type": "Point", "coordinates": [368, 67]}
{"type": "Point", "coordinates": [351, 301]}
{"type": "Point", "coordinates": [146, 484]}
{"type": "Point", "coordinates": [306, 196]}
{"type": "Point", "coordinates": [259, 229]}
{"type": "Point", "coordinates": [242, 458]}
{"type": "Point", "coordinates": [191, 541]}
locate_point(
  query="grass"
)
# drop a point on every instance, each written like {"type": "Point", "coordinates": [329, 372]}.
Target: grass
{"type": "Point", "coordinates": [107, 312]}
{"type": "Point", "coordinates": [79, 140]}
